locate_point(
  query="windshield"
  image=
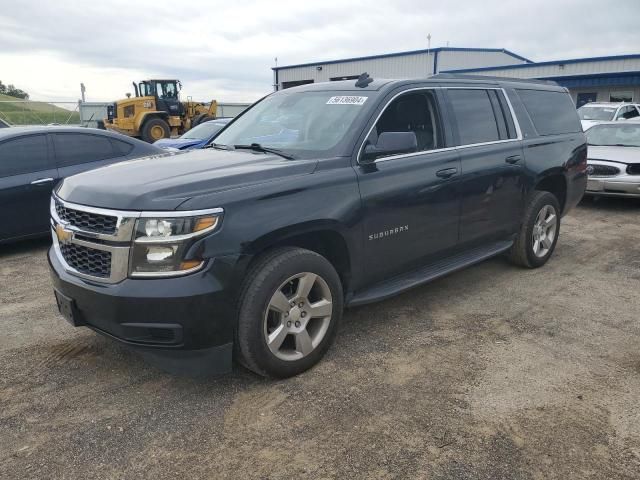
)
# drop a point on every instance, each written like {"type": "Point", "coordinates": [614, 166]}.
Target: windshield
{"type": "Point", "coordinates": [203, 131]}
{"type": "Point", "coordinates": [297, 123]}
{"type": "Point", "coordinates": [596, 113]}
{"type": "Point", "coordinates": [614, 135]}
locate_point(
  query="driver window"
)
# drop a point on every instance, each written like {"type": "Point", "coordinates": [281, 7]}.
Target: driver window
{"type": "Point", "coordinates": [169, 90]}
{"type": "Point", "coordinates": [411, 112]}
{"type": "Point", "coordinates": [159, 90]}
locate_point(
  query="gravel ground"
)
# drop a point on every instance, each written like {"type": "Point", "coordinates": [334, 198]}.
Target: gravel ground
{"type": "Point", "coordinates": [494, 372]}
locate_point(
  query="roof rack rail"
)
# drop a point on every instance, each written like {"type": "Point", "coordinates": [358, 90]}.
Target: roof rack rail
{"type": "Point", "coordinates": [463, 76]}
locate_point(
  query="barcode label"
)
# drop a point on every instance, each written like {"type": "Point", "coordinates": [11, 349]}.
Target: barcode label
{"type": "Point", "coordinates": [347, 100]}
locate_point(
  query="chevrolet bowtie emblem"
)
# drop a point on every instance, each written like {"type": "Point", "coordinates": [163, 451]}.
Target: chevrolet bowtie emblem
{"type": "Point", "coordinates": [64, 236]}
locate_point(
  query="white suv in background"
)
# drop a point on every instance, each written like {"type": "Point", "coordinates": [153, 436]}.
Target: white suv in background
{"type": "Point", "coordinates": [598, 112]}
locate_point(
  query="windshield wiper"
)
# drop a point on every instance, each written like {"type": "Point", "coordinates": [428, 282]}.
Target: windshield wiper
{"type": "Point", "coordinates": [256, 147]}
{"type": "Point", "coordinates": [217, 146]}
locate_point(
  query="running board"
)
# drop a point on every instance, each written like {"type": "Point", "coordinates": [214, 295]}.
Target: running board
{"type": "Point", "coordinates": [405, 281]}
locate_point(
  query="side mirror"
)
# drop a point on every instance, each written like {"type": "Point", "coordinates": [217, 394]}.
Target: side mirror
{"type": "Point", "coordinates": [391, 143]}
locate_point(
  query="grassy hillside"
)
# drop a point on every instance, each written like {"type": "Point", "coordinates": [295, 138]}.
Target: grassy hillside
{"type": "Point", "coordinates": [36, 113]}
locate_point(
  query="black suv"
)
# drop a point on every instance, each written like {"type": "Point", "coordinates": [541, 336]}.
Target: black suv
{"type": "Point", "coordinates": [316, 198]}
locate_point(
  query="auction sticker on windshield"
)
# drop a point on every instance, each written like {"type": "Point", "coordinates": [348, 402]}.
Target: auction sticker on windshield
{"type": "Point", "coordinates": [347, 100]}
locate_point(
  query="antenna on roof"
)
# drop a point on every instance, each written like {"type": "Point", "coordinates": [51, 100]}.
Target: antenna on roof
{"type": "Point", "coordinates": [363, 80]}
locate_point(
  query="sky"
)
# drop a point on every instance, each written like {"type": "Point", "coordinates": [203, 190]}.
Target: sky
{"type": "Point", "coordinates": [225, 49]}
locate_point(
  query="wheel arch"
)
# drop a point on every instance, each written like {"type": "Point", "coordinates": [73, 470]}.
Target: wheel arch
{"type": "Point", "coordinates": [146, 116]}
{"type": "Point", "coordinates": [555, 183]}
{"type": "Point", "coordinates": [326, 238]}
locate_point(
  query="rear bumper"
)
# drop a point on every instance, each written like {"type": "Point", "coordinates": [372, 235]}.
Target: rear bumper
{"type": "Point", "coordinates": [183, 317]}
{"type": "Point", "coordinates": [620, 186]}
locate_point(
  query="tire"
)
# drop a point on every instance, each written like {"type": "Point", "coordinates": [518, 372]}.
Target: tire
{"type": "Point", "coordinates": [200, 118]}
{"type": "Point", "coordinates": [280, 276]}
{"type": "Point", "coordinates": [100, 125]}
{"type": "Point", "coordinates": [538, 236]}
{"type": "Point", "coordinates": [155, 129]}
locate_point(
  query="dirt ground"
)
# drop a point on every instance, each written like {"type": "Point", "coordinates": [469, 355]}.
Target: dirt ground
{"type": "Point", "coordinates": [491, 373]}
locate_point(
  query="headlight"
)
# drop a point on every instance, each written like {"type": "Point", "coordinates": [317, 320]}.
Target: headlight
{"type": "Point", "coordinates": [161, 244]}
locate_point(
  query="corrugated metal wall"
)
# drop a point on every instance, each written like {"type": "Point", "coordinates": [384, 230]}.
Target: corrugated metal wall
{"type": "Point", "coordinates": [452, 59]}
{"type": "Point", "coordinates": [417, 65]}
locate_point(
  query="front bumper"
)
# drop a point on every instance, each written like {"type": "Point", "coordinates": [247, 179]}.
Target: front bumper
{"type": "Point", "coordinates": [619, 186]}
{"type": "Point", "coordinates": [194, 313]}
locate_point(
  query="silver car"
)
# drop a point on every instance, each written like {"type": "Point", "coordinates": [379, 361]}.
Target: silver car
{"type": "Point", "coordinates": [598, 112]}
{"type": "Point", "coordinates": [613, 160]}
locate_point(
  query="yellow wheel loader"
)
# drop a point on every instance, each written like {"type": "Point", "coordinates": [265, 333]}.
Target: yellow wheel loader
{"type": "Point", "coordinates": [156, 112]}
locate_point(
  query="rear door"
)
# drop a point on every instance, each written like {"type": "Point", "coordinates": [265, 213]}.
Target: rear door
{"type": "Point", "coordinates": [411, 201]}
{"type": "Point", "coordinates": [27, 176]}
{"type": "Point", "coordinates": [78, 152]}
{"type": "Point", "coordinates": [492, 181]}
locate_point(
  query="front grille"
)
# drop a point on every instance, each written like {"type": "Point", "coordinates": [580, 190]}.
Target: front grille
{"type": "Point", "coordinates": [91, 222]}
{"type": "Point", "coordinates": [595, 170]}
{"type": "Point", "coordinates": [634, 169]}
{"type": "Point", "coordinates": [87, 260]}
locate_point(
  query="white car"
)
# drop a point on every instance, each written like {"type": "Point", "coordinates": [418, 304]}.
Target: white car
{"type": "Point", "coordinates": [598, 112]}
{"type": "Point", "coordinates": [613, 159]}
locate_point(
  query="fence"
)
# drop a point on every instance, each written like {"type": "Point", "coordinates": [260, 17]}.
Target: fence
{"type": "Point", "coordinates": [26, 112]}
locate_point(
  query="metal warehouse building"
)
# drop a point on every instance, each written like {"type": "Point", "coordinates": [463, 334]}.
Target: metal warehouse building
{"type": "Point", "coordinates": [603, 79]}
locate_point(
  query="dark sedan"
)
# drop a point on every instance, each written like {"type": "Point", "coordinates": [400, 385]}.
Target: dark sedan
{"type": "Point", "coordinates": [34, 159]}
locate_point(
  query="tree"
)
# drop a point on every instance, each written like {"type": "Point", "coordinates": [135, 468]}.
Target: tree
{"type": "Point", "coordinates": [12, 91]}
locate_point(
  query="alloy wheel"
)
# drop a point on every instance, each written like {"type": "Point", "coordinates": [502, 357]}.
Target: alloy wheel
{"type": "Point", "coordinates": [298, 315]}
{"type": "Point", "coordinates": [544, 230]}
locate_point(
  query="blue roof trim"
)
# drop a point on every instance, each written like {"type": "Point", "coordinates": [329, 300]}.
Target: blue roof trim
{"type": "Point", "coordinates": [598, 80]}
{"type": "Point", "coordinates": [542, 64]}
{"type": "Point", "coordinates": [402, 54]}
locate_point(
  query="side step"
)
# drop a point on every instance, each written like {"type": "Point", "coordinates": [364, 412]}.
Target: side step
{"type": "Point", "coordinates": [405, 281]}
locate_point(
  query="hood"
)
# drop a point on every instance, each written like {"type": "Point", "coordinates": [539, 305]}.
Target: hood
{"type": "Point", "coordinates": [179, 143]}
{"type": "Point", "coordinates": [163, 182]}
{"type": "Point", "coordinates": [587, 124]}
{"type": "Point", "coordinates": [614, 154]}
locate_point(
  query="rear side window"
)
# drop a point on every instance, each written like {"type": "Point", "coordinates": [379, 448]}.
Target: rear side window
{"type": "Point", "coordinates": [77, 148]}
{"type": "Point", "coordinates": [474, 114]}
{"type": "Point", "coordinates": [552, 113]}
{"type": "Point", "coordinates": [122, 148]}
{"type": "Point", "coordinates": [23, 155]}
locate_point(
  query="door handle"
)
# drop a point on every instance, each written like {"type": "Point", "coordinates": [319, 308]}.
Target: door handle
{"type": "Point", "coordinates": [513, 159]}
{"type": "Point", "coordinates": [447, 172]}
{"type": "Point", "coordinates": [42, 181]}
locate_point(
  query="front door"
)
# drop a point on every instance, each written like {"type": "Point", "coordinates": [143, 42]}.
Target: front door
{"type": "Point", "coordinates": [167, 98]}
{"type": "Point", "coordinates": [27, 176]}
{"type": "Point", "coordinates": [411, 201]}
{"type": "Point", "coordinates": [492, 180]}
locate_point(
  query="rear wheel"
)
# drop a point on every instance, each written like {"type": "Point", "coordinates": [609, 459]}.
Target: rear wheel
{"type": "Point", "coordinates": [155, 129]}
{"type": "Point", "coordinates": [200, 118]}
{"type": "Point", "coordinates": [539, 232]}
{"type": "Point", "coordinates": [289, 311]}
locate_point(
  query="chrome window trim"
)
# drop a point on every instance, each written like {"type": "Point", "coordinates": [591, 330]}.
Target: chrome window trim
{"type": "Point", "coordinates": [444, 149]}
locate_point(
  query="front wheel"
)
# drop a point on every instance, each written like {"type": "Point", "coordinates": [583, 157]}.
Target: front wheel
{"type": "Point", "coordinates": [288, 313]}
{"type": "Point", "coordinates": [539, 231]}
{"type": "Point", "coordinates": [155, 129]}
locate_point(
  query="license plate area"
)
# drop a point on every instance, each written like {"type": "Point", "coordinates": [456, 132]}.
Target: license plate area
{"type": "Point", "coordinates": [595, 185]}
{"type": "Point", "coordinates": [67, 308]}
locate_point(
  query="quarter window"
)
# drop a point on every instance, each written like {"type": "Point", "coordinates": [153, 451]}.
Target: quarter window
{"type": "Point", "coordinates": [23, 155]}
{"type": "Point", "coordinates": [75, 148]}
{"type": "Point", "coordinates": [551, 112]}
{"type": "Point", "coordinates": [474, 115]}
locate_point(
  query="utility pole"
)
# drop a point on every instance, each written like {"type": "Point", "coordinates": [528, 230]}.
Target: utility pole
{"type": "Point", "coordinates": [428, 54]}
{"type": "Point", "coordinates": [275, 75]}
{"type": "Point", "coordinates": [82, 90]}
